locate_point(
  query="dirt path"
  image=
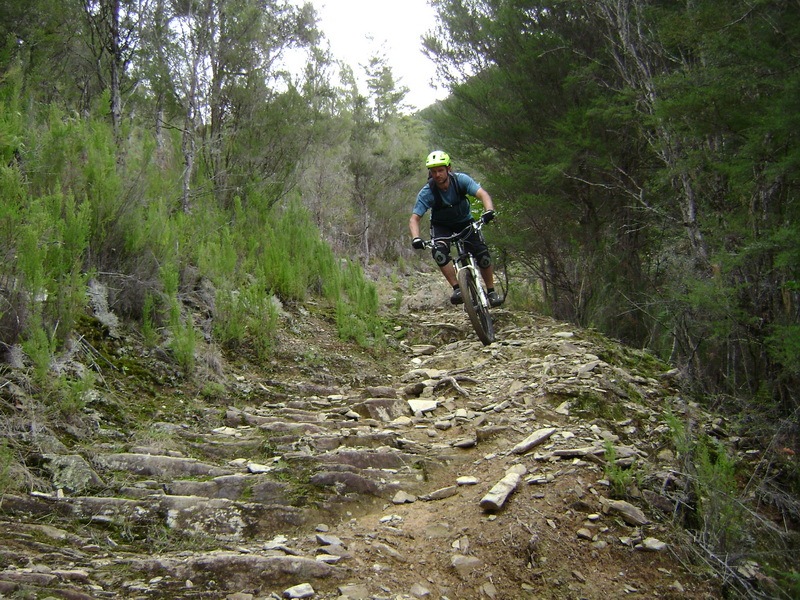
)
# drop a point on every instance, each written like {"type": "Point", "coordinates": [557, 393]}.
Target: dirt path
{"type": "Point", "coordinates": [549, 540]}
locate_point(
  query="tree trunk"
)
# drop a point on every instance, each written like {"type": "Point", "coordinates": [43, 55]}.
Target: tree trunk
{"type": "Point", "coordinates": [116, 68]}
{"type": "Point", "coordinates": [188, 141]}
{"type": "Point", "coordinates": [638, 59]}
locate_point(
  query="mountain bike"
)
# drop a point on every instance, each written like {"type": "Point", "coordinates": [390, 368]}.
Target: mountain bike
{"type": "Point", "coordinates": [476, 301]}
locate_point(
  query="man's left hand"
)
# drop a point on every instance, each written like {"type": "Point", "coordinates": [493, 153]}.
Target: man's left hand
{"type": "Point", "coordinates": [487, 216]}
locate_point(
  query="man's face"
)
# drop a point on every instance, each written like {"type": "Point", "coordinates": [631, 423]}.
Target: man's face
{"type": "Point", "coordinates": [439, 175]}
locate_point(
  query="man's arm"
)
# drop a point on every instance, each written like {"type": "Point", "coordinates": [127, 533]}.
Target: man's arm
{"type": "Point", "coordinates": [485, 199]}
{"type": "Point", "coordinates": [413, 225]}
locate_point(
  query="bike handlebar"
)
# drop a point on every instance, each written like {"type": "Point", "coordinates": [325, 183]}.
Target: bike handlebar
{"type": "Point", "coordinates": [475, 225]}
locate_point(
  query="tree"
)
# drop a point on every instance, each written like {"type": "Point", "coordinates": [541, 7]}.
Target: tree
{"type": "Point", "coordinates": [387, 97]}
{"type": "Point", "coordinates": [529, 109]}
{"type": "Point", "coordinates": [227, 65]}
{"type": "Point", "coordinates": [47, 38]}
{"type": "Point", "coordinates": [381, 156]}
{"type": "Point", "coordinates": [104, 20]}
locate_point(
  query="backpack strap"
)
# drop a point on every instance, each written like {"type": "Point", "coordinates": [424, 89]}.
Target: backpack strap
{"type": "Point", "coordinates": [437, 195]}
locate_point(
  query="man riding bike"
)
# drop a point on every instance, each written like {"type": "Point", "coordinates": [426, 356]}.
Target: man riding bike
{"type": "Point", "coordinates": [445, 195]}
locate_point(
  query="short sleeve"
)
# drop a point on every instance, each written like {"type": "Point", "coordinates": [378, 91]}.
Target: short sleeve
{"type": "Point", "coordinates": [424, 201]}
{"type": "Point", "coordinates": [468, 184]}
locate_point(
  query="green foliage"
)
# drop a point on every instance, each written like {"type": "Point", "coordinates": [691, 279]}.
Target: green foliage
{"type": "Point", "coordinates": [116, 187]}
{"type": "Point", "coordinates": [182, 335]}
{"type": "Point", "coordinates": [49, 235]}
{"type": "Point", "coordinates": [230, 318]}
{"type": "Point", "coordinates": [783, 340]}
{"type": "Point", "coordinates": [212, 390]}
{"type": "Point", "coordinates": [149, 332]}
{"type": "Point", "coordinates": [357, 311]}
{"type": "Point", "coordinates": [653, 198]}
{"type": "Point", "coordinates": [72, 393]}
{"type": "Point", "coordinates": [11, 121]}
{"type": "Point", "coordinates": [293, 262]}
{"type": "Point", "coordinates": [183, 344]}
{"type": "Point", "coordinates": [680, 436]}
{"type": "Point", "coordinates": [40, 347]}
{"type": "Point", "coordinates": [784, 347]}
{"type": "Point", "coordinates": [718, 507]}
{"type": "Point", "coordinates": [218, 255]}
{"type": "Point", "coordinates": [719, 515]}
{"type": "Point", "coordinates": [247, 314]}
{"type": "Point", "coordinates": [789, 582]}
{"type": "Point", "coordinates": [596, 405]}
{"type": "Point", "coordinates": [6, 462]}
{"type": "Point", "coordinates": [262, 320]}
{"type": "Point", "coordinates": [289, 261]}
{"type": "Point", "coordinates": [619, 477]}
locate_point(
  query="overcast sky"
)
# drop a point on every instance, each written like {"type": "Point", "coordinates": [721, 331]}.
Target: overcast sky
{"type": "Point", "coordinates": [395, 26]}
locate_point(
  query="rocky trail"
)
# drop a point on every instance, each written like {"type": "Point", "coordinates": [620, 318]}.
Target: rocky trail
{"type": "Point", "coordinates": [444, 469]}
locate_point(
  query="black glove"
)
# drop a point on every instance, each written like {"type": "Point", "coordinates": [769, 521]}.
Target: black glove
{"type": "Point", "coordinates": [487, 216]}
{"type": "Point", "coordinates": [417, 243]}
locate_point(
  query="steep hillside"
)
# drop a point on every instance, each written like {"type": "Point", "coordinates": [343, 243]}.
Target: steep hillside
{"type": "Point", "coordinates": [542, 466]}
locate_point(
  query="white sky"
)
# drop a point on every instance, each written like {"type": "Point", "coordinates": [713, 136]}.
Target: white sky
{"type": "Point", "coordinates": [396, 26]}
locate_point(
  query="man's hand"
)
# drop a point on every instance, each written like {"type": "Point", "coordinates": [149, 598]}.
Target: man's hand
{"type": "Point", "coordinates": [487, 216]}
{"type": "Point", "coordinates": [417, 243]}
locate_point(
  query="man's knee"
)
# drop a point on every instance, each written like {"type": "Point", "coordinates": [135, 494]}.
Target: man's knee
{"type": "Point", "coordinates": [441, 257]}
{"type": "Point", "coordinates": [441, 254]}
{"type": "Point", "coordinates": [484, 261]}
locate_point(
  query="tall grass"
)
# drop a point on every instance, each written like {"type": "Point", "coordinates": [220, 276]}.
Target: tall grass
{"type": "Point", "coordinates": [293, 262]}
{"type": "Point", "coordinates": [620, 478]}
{"type": "Point", "coordinates": [357, 309]}
{"type": "Point", "coordinates": [183, 339]}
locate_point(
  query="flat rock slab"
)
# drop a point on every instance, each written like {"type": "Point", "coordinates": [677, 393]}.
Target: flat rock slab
{"type": "Point", "coordinates": [157, 465]}
{"type": "Point", "coordinates": [381, 409]}
{"type": "Point", "coordinates": [234, 571]}
{"type": "Point", "coordinates": [533, 440]}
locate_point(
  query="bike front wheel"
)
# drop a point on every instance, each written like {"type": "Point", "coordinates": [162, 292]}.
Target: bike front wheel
{"type": "Point", "coordinates": [479, 314]}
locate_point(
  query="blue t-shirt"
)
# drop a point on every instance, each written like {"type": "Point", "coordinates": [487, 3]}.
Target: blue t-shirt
{"type": "Point", "coordinates": [454, 210]}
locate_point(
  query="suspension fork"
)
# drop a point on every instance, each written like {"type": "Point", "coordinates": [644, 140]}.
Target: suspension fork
{"type": "Point", "coordinates": [466, 260]}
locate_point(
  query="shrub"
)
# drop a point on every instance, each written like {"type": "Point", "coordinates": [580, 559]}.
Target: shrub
{"type": "Point", "coordinates": [619, 477]}
{"type": "Point", "coordinates": [6, 462]}
{"type": "Point", "coordinates": [717, 514]}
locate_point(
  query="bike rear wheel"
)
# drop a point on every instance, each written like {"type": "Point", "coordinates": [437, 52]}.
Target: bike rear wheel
{"type": "Point", "coordinates": [478, 314]}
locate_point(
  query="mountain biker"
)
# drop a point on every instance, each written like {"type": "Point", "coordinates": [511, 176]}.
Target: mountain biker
{"type": "Point", "coordinates": [445, 195]}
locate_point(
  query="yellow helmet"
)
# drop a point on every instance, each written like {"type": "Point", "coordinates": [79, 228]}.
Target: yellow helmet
{"type": "Point", "coordinates": [437, 158]}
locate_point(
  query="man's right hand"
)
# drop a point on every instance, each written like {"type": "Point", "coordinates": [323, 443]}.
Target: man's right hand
{"type": "Point", "coordinates": [417, 243]}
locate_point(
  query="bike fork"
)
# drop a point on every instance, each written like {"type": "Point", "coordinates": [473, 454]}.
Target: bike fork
{"type": "Point", "coordinates": [478, 276]}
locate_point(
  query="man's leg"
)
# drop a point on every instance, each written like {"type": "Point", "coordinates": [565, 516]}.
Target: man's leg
{"type": "Point", "coordinates": [449, 272]}
{"type": "Point", "coordinates": [488, 277]}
